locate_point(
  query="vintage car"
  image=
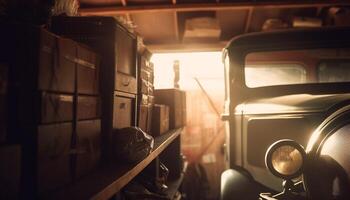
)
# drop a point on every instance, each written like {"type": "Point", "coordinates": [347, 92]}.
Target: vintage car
{"type": "Point", "coordinates": [293, 87]}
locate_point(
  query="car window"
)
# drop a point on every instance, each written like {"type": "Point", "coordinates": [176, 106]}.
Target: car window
{"type": "Point", "coordinates": [334, 71]}
{"type": "Point", "coordinates": [274, 74]}
{"type": "Point", "coordinates": [288, 67]}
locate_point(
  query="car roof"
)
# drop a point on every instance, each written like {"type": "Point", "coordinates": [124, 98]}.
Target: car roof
{"type": "Point", "coordinates": [291, 36]}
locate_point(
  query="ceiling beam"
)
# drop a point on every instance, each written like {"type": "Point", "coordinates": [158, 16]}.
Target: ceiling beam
{"type": "Point", "coordinates": [115, 10]}
{"type": "Point", "coordinates": [168, 48]}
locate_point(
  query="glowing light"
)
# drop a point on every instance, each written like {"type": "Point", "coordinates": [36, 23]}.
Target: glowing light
{"type": "Point", "coordinates": [201, 65]}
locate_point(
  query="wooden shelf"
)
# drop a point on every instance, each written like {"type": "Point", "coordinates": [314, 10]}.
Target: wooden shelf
{"type": "Point", "coordinates": [109, 179]}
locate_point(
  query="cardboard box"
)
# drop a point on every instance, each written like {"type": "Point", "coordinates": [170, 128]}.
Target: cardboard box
{"type": "Point", "coordinates": [53, 157]}
{"type": "Point", "coordinates": [176, 100]}
{"type": "Point", "coordinates": [88, 147]}
{"type": "Point", "coordinates": [56, 107]}
{"type": "Point", "coordinates": [38, 59]}
{"type": "Point", "coordinates": [88, 107]}
{"type": "Point", "coordinates": [87, 71]}
{"type": "Point", "coordinates": [160, 119]}
{"type": "Point", "coordinates": [56, 61]}
{"type": "Point", "coordinates": [124, 111]}
{"type": "Point", "coordinates": [10, 171]}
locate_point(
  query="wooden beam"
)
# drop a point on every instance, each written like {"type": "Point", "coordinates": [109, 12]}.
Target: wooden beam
{"type": "Point", "coordinates": [249, 20]}
{"type": "Point", "coordinates": [199, 47]}
{"type": "Point", "coordinates": [115, 10]}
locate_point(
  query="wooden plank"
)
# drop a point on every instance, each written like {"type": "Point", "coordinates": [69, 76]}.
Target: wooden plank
{"type": "Point", "coordinates": [191, 47]}
{"type": "Point", "coordinates": [109, 179]}
{"type": "Point", "coordinates": [116, 10]}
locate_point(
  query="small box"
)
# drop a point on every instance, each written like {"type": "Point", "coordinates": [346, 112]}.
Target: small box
{"type": "Point", "coordinates": [88, 107]}
{"type": "Point", "coordinates": [10, 171]}
{"type": "Point", "coordinates": [54, 144]}
{"type": "Point", "coordinates": [176, 100]}
{"type": "Point", "coordinates": [160, 119]}
{"type": "Point", "coordinates": [88, 146]}
{"type": "Point", "coordinates": [125, 83]}
{"type": "Point", "coordinates": [123, 110]}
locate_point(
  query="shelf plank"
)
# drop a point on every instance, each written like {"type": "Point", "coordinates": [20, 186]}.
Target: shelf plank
{"type": "Point", "coordinates": [109, 179]}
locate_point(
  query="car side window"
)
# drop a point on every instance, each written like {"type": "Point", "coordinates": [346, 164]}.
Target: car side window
{"type": "Point", "coordinates": [334, 71]}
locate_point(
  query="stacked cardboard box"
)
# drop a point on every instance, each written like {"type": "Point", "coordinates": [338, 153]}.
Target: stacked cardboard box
{"type": "Point", "coordinates": [160, 119]}
{"type": "Point", "coordinates": [52, 90]}
{"type": "Point", "coordinates": [117, 48]}
{"type": "Point", "coordinates": [176, 100]}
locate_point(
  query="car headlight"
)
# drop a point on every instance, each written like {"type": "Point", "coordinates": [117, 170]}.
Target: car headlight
{"type": "Point", "coordinates": [285, 159]}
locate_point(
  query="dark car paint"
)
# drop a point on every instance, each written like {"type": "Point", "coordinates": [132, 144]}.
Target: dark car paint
{"type": "Point", "coordinates": [311, 101]}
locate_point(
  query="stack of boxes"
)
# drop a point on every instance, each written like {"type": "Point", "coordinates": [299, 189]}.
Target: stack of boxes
{"type": "Point", "coordinates": [117, 48]}
{"type": "Point", "coordinates": [88, 117]}
{"type": "Point", "coordinates": [145, 89]}
{"type": "Point", "coordinates": [53, 96]}
{"type": "Point", "coordinates": [65, 103]}
{"type": "Point", "coordinates": [176, 100]}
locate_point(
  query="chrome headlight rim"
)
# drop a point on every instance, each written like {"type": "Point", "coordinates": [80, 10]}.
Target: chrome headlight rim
{"type": "Point", "coordinates": [279, 144]}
